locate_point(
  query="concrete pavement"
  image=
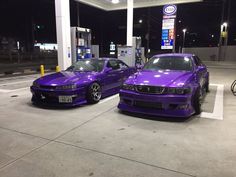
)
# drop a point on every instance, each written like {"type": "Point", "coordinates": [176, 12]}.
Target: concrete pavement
{"type": "Point", "coordinates": [98, 140]}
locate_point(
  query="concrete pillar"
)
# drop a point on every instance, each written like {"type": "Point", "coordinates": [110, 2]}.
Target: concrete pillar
{"type": "Point", "coordinates": [63, 33]}
{"type": "Point", "coordinates": [130, 14]}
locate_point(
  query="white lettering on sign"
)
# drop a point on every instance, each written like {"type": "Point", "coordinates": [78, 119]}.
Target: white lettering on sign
{"type": "Point", "coordinates": [170, 9]}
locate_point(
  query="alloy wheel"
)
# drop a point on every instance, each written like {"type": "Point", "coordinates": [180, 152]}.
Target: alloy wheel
{"type": "Point", "coordinates": [96, 92]}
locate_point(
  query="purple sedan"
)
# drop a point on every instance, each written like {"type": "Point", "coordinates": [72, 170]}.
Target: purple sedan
{"type": "Point", "coordinates": [168, 85]}
{"type": "Point", "coordinates": [85, 81]}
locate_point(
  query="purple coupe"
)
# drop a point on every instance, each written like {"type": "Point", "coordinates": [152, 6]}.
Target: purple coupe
{"type": "Point", "coordinates": [85, 81]}
{"type": "Point", "coordinates": [168, 85]}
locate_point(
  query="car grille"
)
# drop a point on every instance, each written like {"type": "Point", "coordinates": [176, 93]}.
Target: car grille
{"type": "Point", "coordinates": [144, 104]}
{"type": "Point", "coordinates": [47, 87]}
{"type": "Point", "coordinates": [150, 89]}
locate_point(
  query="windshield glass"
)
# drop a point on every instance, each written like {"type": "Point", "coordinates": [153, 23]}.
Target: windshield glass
{"type": "Point", "coordinates": [169, 63]}
{"type": "Point", "coordinates": [87, 66]}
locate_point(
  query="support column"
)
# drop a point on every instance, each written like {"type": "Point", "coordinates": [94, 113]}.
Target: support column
{"type": "Point", "coordinates": [130, 14]}
{"type": "Point", "coordinates": [63, 33]}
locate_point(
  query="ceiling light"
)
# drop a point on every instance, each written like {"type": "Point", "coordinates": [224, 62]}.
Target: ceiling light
{"type": "Point", "coordinates": [115, 1]}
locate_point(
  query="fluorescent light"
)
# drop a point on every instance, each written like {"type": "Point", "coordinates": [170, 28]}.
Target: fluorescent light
{"type": "Point", "coordinates": [115, 1]}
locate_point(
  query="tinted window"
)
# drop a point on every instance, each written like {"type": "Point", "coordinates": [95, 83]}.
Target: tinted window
{"type": "Point", "coordinates": [169, 63]}
{"type": "Point", "coordinates": [113, 64]}
{"type": "Point", "coordinates": [123, 65]}
{"type": "Point", "coordinates": [197, 61]}
{"type": "Point", "coordinates": [87, 66]}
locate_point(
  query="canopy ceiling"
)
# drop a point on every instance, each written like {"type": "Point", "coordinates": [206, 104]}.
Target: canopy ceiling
{"type": "Point", "coordinates": [109, 6]}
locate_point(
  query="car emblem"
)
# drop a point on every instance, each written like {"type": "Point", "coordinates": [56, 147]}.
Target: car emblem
{"type": "Point", "coordinates": [43, 97]}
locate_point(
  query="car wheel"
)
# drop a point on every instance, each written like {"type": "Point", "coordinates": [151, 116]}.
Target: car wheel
{"type": "Point", "coordinates": [94, 93]}
{"type": "Point", "coordinates": [197, 103]}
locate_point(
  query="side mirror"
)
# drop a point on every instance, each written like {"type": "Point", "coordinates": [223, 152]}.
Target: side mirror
{"type": "Point", "coordinates": [139, 67]}
{"type": "Point", "coordinates": [107, 70]}
{"type": "Point", "coordinates": [201, 68]}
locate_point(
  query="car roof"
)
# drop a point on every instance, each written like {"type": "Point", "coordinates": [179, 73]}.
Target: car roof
{"type": "Point", "coordinates": [175, 55]}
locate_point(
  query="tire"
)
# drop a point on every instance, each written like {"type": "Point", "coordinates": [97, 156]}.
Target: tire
{"type": "Point", "coordinates": [197, 103]}
{"type": "Point", "coordinates": [207, 87]}
{"type": "Point", "coordinates": [94, 93]}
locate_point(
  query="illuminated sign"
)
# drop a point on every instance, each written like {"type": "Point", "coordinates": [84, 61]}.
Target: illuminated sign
{"type": "Point", "coordinates": [170, 10]}
{"type": "Point", "coordinates": [168, 27]}
{"type": "Point", "coordinates": [112, 49]}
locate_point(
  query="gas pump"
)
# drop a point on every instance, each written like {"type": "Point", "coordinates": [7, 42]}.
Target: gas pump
{"type": "Point", "coordinates": [132, 55]}
{"type": "Point", "coordinates": [80, 43]}
{"type": "Point", "coordinates": [138, 51]}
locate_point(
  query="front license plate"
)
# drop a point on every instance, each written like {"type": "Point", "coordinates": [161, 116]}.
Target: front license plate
{"type": "Point", "coordinates": [65, 99]}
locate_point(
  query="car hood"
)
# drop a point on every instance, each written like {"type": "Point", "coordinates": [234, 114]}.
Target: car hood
{"type": "Point", "coordinates": [64, 78]}
{"type": "Point", "coordinates": [161, 78]}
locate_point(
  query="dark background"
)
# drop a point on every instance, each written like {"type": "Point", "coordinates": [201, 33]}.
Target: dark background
{"type": "Point", "coordinates": [32, 21]}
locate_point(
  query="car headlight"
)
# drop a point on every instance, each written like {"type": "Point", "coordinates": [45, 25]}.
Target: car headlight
{"type": "Point", "coordinates": [35, 84]}
{"type": "Point", "coordinates": [128, 87]}
{"type": "Point", "coordinates": [66, 87]}
{"type": "Point", "coordinates": [179, 91]}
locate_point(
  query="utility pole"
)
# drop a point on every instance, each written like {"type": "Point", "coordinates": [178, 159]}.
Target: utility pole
{"type": "Point", "coordinates": [148, 30]}
{"type": "Point", "coordinates": [77, 13]}
{"type": "Point", "coordinates": [228, 21]}
{"type": "Point", "coordinates": [184, 36]}
{"type": "Point", "coordinates": [221, 37]}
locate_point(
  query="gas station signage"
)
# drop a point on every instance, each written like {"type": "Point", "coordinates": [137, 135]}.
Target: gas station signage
{"type": "Point", "coordinates": [112, 49]}
{"type": "Point", "coordinates": [168, 27]}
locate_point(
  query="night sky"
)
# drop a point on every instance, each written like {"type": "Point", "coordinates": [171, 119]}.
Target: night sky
{"type": "Point", "coordinates": [31, 20]}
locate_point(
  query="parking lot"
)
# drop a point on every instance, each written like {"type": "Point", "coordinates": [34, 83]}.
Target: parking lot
{"type": "Point", "coordinates": [98, 140]}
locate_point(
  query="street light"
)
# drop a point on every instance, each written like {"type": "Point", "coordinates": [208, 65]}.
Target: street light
{"type": "Point", "coordinates": [184, 31]}
{"type": "Point", "coordinates": [140, 21]}
{"type": "Point", "coordinates": [225, 24]}
{"type": "Point", "coordinates": [224, 33]}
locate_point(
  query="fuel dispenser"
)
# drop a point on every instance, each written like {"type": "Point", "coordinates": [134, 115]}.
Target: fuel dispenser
{"type": "Point", "coordinates": [132, 55]}
{"type": "Point", "coordinates": [80, 43]}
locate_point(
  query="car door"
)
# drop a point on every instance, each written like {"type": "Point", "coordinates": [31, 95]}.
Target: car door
{"type": "Point", "coordinates": [201, 71]}
{"type": "Point", "coordinates": [126, 71]}
{"type": "Point", "coordinates": [113, 78]}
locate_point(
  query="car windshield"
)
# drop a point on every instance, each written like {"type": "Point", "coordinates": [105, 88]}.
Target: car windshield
{"type": "Point", "coordinates": [169, 63]}
{"type": "Point", "coordinates": [87, 66]}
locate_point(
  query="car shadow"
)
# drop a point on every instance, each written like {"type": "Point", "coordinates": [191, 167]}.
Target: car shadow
{"type": "Point", "coordinates": [157, 118]}
{"type": "Point", "coordinates": [50, 107]}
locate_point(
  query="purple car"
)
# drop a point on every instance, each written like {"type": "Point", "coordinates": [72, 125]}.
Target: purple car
{"type": "Point", "coordinates": [168, 85]}
{"type": "Point", "coordinates": [85, 81]}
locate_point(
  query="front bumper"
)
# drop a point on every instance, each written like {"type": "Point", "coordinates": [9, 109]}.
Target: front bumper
{"type": "Point", "coordinates": [51, 97]}
{"type": "Point", "coordinates": [157, 105]}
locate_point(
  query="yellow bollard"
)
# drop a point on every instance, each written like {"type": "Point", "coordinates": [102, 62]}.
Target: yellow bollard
{"type": "Point", "coordinates": [42, 70]}
{"type": "Point", "coordinates": [58, 69]}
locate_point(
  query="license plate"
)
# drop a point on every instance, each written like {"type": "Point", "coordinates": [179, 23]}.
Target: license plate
{"type": "Point", "coordinates": [65, 99]}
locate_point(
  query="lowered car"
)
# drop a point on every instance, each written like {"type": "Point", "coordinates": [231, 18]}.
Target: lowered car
{"type": "Point", "coordinates": [86, 81]}
{"type": "Point", "coordinates": [168, 85]}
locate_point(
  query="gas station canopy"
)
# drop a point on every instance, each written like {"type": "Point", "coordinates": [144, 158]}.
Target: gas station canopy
{"type": "Point", "coordinates": [110, 5]}
{"type": "Point", "coordinates": [62, 8]}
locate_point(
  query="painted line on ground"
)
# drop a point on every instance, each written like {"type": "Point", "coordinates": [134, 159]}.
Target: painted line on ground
{"type": "Point", "coordinates": [108, 99]}
{"type": "Point", "coordinates": [19, 77]}
{"type": "Point", "coordinates": [218, 112]}
{"type": "Point", "coordinates": [14, 83]}
{"type": "Point", "coordinates": [16, 90]}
